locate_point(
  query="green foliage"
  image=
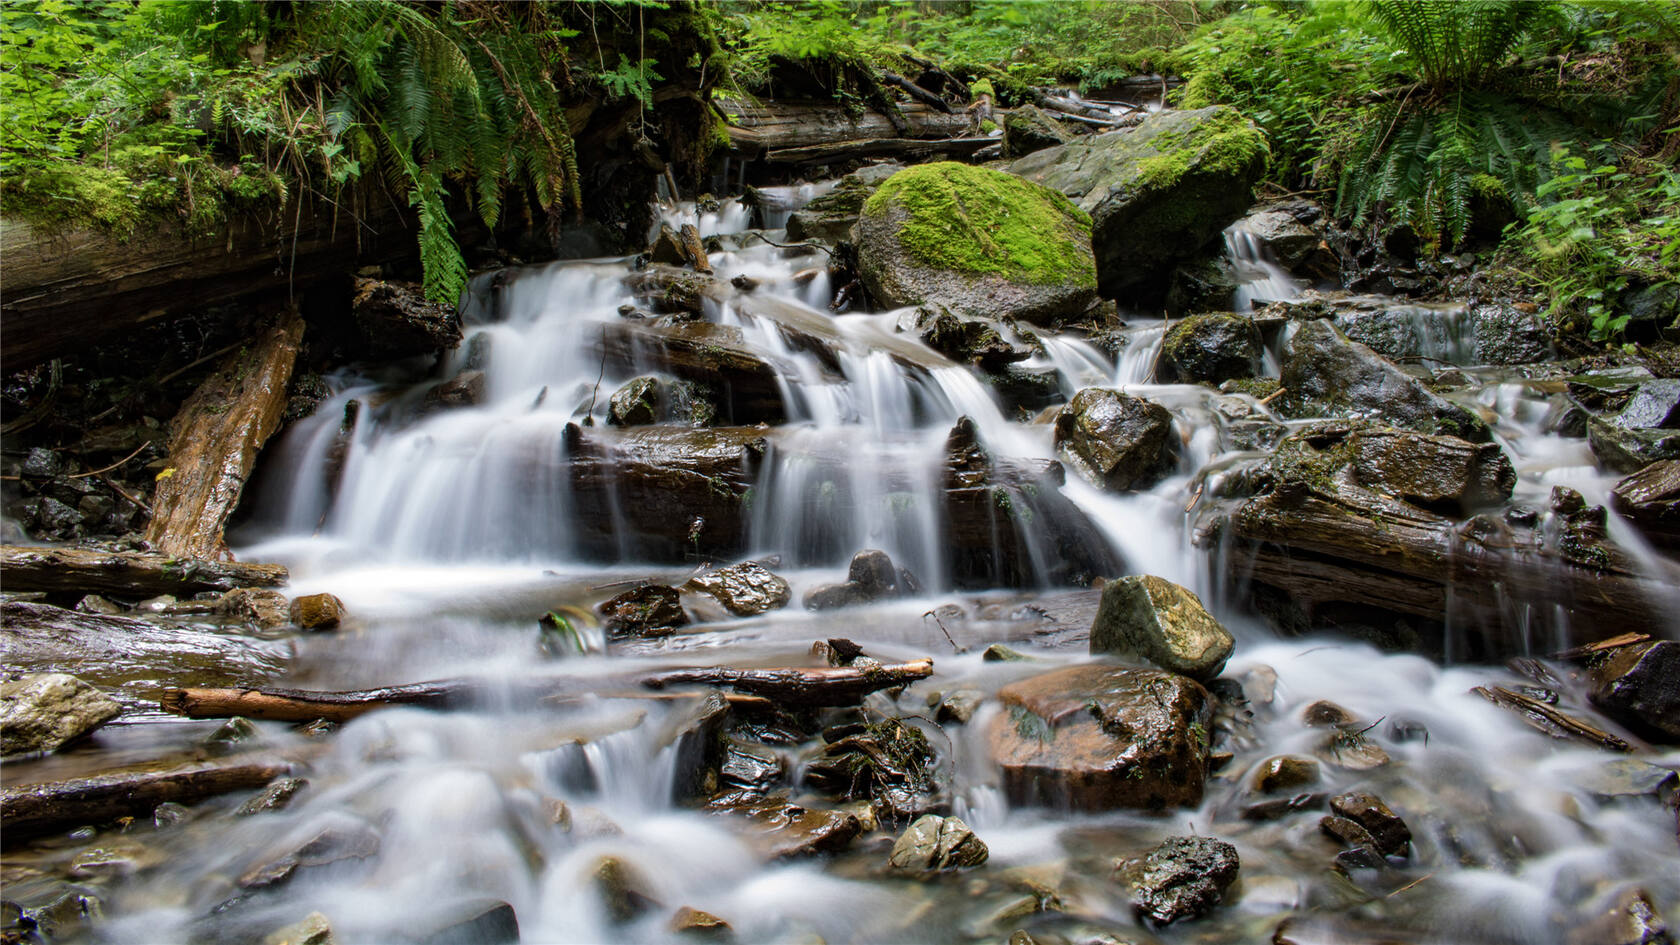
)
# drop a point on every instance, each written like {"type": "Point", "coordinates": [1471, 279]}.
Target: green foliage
{"type": "Point", "coordinates": [972, 219]}
{"type": "Point", "coordinates": [1455, 43]}
{"type": "Point", "coordinates": [1599, 228]}
{"type": "Point", "coordinates": [631, 80]}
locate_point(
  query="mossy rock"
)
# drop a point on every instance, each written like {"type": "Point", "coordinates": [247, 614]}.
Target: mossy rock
{"type": "Point", "coordinates": [831, 216]}
{"type": "Point", "coordinates": [1028, 129]}
{"type": "Point", "coordinates": [1214, 347]}
{"type": "Point", "coordinates": [981, 242]}
{"type": "Point", "coordinates": [1157, 193]}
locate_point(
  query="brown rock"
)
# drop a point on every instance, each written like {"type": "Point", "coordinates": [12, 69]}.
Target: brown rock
{"type": "Point", "coordinates": [1640, 687]}
{"type": "Point", "coordinates": [1099, 737]}
{"type": "Point", "coordinates": [317, 612]}
{"type": "Point", "coordinates": [649, 610]}
{"type": "Point", "coordinates": [1284, 773]}
{"type": "Point", "coordinates": [263, 607]}
{"type": "Point", "coordinates": [694, 923]}
{"type": "Point", "coordinates": [1390, 833]}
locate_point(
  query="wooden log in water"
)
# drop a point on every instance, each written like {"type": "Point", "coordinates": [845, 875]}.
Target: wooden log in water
{"type": "Point", "coordinates": [837, 151]}
{"type": "Point", "coordinates": [215, 438]}
{"type": "Point", "coordinates": [32, 810]}
{"type": "Point", "coordinates": [126, 574]}
{"type": "Point", "coordinates": [1550, 720]}
{"type": "Point", "coordinates": [298, 705]}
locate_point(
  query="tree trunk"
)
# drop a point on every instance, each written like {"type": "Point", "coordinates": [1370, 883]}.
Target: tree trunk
{"type": "Point", "coordinates": [214, 441]}
{"type": "Point", "coordinates": [126, 574]}
{"type": "Point", "coordinates": [33, 810]}
{"type": "Point", "coordinates": [769, 126]}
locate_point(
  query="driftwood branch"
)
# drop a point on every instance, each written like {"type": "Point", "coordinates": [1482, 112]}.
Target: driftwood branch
{"type": "Point", "coordinates": [916, 92]}
{"type": "Point", "coordinates": [820, 686]}
{"type": "Point", "coordinates": [35, 809]}
{"type": "Point", "coordinates": [875, 147]}
{"type": "Point", "coordinates": [126, 574]}
{"type": "Point", "coordinates": [297, 705]}
{"type": "Point", "coordinates": [1545, 718]}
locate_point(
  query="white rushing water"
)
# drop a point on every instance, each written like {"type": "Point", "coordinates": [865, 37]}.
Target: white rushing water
{"type": "Point", "coordinates": [447, 531]}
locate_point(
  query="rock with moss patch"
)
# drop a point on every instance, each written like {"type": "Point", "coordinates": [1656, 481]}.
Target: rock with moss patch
{"type": "Point", "coordinates": [1441, 473]}
{"type": "Point", "coordinates": [45, 711]}
{"type": "Point", "coordinates": [934, 843]}
{"type": "Point", "coordinates": [1028, 129]}
{"type": "Point", "coordinates": [1114, 440]}
{"type": "Point", "coordinates": [831, 216]}
{"type": "Point", "coordinates": [1324, 370]}
{"type": "Point", "coordinates": [1211, 348]}
{"type": "Point", "coordinates": [1506, 334]}
{"type": "Point", "coordinates": [652, 610]}
{"type": "Point", "coordinates": [1158, 192]}
{"type": "Point", "coordinates": [979, 241]}
{"type": "Point", "coordinates": [1152, 618]}
{"type": "Point", "coordinates": [1100, 737]}
{"type": "Point", "coordinates": [317, 612]}
{"type": "Point", "coordinates": [970, 340]}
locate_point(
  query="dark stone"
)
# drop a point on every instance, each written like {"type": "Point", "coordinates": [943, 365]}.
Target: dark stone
{"type": "Point", "coordinates": [968, 340]}
{"type": "Point", "coordinates": [873, 572]}
{"type": "Point", "coordinates": [1210, 348]}
{"type": "Point", "coordinates": [1025, 389]}
{"type": "Point", "coordinates": [463, 390]}
{"type": "Point", "coordinates": [1183, 878]}
{"type": "Point", "coordinates": [276, 796]}
{"type": "Point", "coordinates": [1506, 334]}
{"type": "Point", "coordinates": [395, 320]}
{"type": "Point", "coordinates": [1390, 833]}
{"type": "Point", "coordinates": [1650, 499]}
{"type": "Point", "coordinates": [1630, 450]}
{"type": "Point", "coordinates": [41, 464]}
{"type": "Point", "coordinates": [830, 217]}
{"type": "Point", "coordinates": [1630, 918]}
{"type": "Point", "coordinates": [1027, 129]}
{"type": "Point", "coordinates": [1435, 472]}
{"type": "Point", "coordinates": [651, 610]}
{"type": "Point", "coordinates": [1115, 441]}
{"type": "Point", "coordinates": [1656, 404]}
{"type": "Point", "coordinates": [1291, 239]}
{"type": "Point", "coordinates": [317, 612]}
{"type": "Point", "coordinates": [1284, 773]}
{"type": "Point", "coordinates": [1322, 367]}
{"type": "Point", "coordinates": [1100, 737]}
{"type": "Point", "coordinates": [745, 590]}
{"type": "Point", "coordinates": [668, 248]}
{"type": "Point", "coordinates": [637, 403]}
{"type": "Point", "coordinates": [1639, 686]}
{"type": "Point", "coordinates": [1203, 285]}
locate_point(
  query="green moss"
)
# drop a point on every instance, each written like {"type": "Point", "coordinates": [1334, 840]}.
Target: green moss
{"type": "Point", "coordinates": [971, 219]}
{"type": "Point", "coordinates": [988, 126]}
{"type": "Point", "coordinates": [1225, 144]}
{"type": "Point", "coordinates": [982, 87]}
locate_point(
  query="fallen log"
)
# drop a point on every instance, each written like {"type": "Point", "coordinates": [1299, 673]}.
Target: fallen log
{"type": "Point", "coordinates": [33, 810]}
{"type": "Point", "coordinates": [214, 441]}
{"type": "Point", "coordinates": [818, 686]}
{"type": "Point", "coordinates": [127, 574]}
{"type": "Point", "coordinates": [837, 151]}
{"type": "Point", "coordinates": [1593, 649]}
{"type": "Point", "coordinates": [815, 686]}
{"type": "Point", "coordinates": [1549, 720]}
{"type": "Point", "coordinates": [916, 92]}
{"type": "Point", "coordinates": [767, 126]}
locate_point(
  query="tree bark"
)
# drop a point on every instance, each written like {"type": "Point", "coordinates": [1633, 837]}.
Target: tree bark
{"type": "Point", "coordinates": [214, 441]}
{"type": "Point", "coordinates": [296, 705]}
{"type": "Point", "coordinates": [35, 809]}
{"type": "Point", "coordinates": [127, 574]}
{"type": "Point", "coordinates": [768, 126]}
{"type": "Point", "coordinates": [876, 147]}
{"type": "Point", "coordinates": [819, 686]}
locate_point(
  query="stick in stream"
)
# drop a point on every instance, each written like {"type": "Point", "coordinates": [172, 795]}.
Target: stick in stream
{"type": "Point", "coordinates": [32, 810]}
{"type": "Point", "coordinates": [798, 686]}
{"type": "Point", "coordinates": [1543, 717]}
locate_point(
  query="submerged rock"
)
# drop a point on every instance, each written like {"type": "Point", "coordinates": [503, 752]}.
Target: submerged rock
{"type": "Point", "coordinates": [1639, 686]}
{"type": "Point", "coordinates": [651, 610]}
{"type": "Point", "coordinates": [745, 590]}
{"type": "Point", "coordinates": [45, 711]}
{"type": "Point", "coordinates": [1099, 737]}
{"type": "Point", "coordinates": [1630, 918]}
{"type": "Point", "coordinates": [1157, 620]}
{"type": "Point", "coordinates": [979, 241]}
{"type": "Point", "coordinates": [314, 929]}
{"type": "Point", "coordinates": [870, 577]}
{"type": "Point", "coordinates": [1212, 348]}
{"type": "Point", "coordinates": [1387, 830]}
{"type": "Point", "coordinates": [1114, 440]}
{"type": "Point", "coordinates": [935, 843]}
{"type": "Point", "coordinates": [694, 923]}
{"type": "Point", "coordinates": [1157, 193]}
{"type": "Point", "coordinates": [623, 891]}
{"type": "Point", "coordinates": [1183, 878]}
{"type": "Point", "coordinates": [1284, 773]}
{"type": "Point", "coordinates": [1323, 370]}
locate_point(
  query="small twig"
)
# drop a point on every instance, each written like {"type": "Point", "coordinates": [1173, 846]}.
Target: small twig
{"type": "Point", "coordinates": [1274, 395]}
{"type": "Point", "coordinates": [603, 373]}
{"type": "Point", "coordinates": [1195, 498]}
{"type": "Point", "coordinates": [812, 244]}
{"type": "Point", "coordinates": [1408, 885]}
{"type": "Point", "coordinates": [187, 367]}
{"type": "Point", "coordinates": [114, 465]}
{"type": "Point", "coordinates": [119, 490]}
{"type": "Point", "coordinates": [941, 625]}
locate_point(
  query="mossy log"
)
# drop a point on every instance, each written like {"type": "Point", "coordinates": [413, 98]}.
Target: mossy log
{"type": "Point", "coordinates": [214, 441]}
{"type": "Point", "coordinates": [78, 571]}
{"type": "Point", "coordinates": [758, 128]}
{"type": "Point", "coordinates": [32, 810]}
{"type": "Point", "coordinates": [67, 289]}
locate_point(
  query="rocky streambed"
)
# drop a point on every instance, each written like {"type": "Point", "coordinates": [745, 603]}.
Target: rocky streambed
{"type": "Point", "coordinates": [671, 603]}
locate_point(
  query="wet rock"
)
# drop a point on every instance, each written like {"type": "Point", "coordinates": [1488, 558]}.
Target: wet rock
{"type": "Point", "coordinates": [463, 390]}
{"type": "Point", "coordinates": [744, 589]}
{"type": "Point", "coordinates": [652, 610]}
{"type": "Point", "coordinates": [998, 653]}
{"type": "Point", "coordinates": [45, 711]}
{"type": "Point", "coordinates": [935, 843]}
{"type": "Point", "coordinates": [1114, 440]}
{"type": "Point", "coordinates": [333, 843]}
{"type": "Point", "coordinates": [966, 340]}
{"type": "Point", "coordinates": [1027, 129]}
{"type": "Point", "coordinates": [94, 604]}
{"type": "Point", "coordinates": [1183, 878]}
{"type": "Point", "coordinates": [750, 768]}
{"type": "Point", "coordinates": [871, 576]}
{"type": "Point", "coordinates": [890, 762]}
{"type": "Point", "coordinates": [983, 243]}
{"type": "Point", "coordinates": [56, 912]}
{"type": "Point", "coordinates": [1283, 773]}
{"type": "Point", "coordinates": [1435, 472]}
{"type": "Point", "coordinates": [1351, 750]}
{"type": "Point", "coordinates": [1630, 918]}
{"type": "Point", "coordinates": [788, 831]}
{"type": "Point", "coordinates": [668, 248]}
{"type": "Point", "coordinates": [1157, 193]}
{"type": "Point", "coordinates": [317, 611]}
{"type": "Point", "coordinates": [1323, 368]}
{"type": "Point", "coordinates": [395, 320]}
{"type": "Point", "coordinates": [50, 518]}
{"type": "Point", "coordinates": [1627, 450]}
{"type": "Point", "coordinates": [1390, 833]}
{"type": "Point", "coordinates": [1655, 405]}
{"type": "Point", "coordinates": [1098, 737]}
{"type": "Point", "coordinates": [260, 606]}
{"type": "Point", "coordinates": [314, 929]}
{"type": "Point", "coordinates": [694, 923]}
{"type": "Point", "coordinates": [478, 921]}
{"type": "Point", "coordinates": [1154, 619]}
{"type": "Point", "coordinates": [1282, 807]}
{"type": "Point", "coordinates": [1024, 389]}
{"type": "Point", "coordinates": [1506, 334]}
{"type": "Point", "coordinates": [41, 464]}
{"type": "Point", "coordinates": [959, 706]}
{"type": "Point", "coordinates": [1290, 239]}
{"type": "Point", "coordinates": [1630, 778]}
{"type": "Point", "coordinates": [1324, 713]}
{"type": "Point", "coordinates": [276, 796]}
{"type": "Point", "coordinates": [1201, 285]}
{"type": "Point", "coordinates": [693, 736]}
{"type": "Point", "coordinates": [168, 814]}
{"type": "Point", "coordinates": [1639, 686]}
{"type": "Point", "coordinates": [622, 890]}
{"type": "Point", "coordinates": [830, 217]}
{"type": "Point", "coordinates": [1650, 499]}
{"type": "Point", "coordinates": [636, 403]}
{"type": "Point", "coordinates": [1211, 348]}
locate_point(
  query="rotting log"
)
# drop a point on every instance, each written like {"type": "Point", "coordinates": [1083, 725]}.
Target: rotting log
{"type": "Point", "coordinates": [214, 441]}
{"type": "Point", "coordinates": [796, 686]}
{"type": "Point", "coordinates": [32, 810]}
{"type": "Point", "coordinates": [769, 126]}
{"type": "Point", "coordinates": [1550, 720]}
{"type": "Point", "coordinates": [818, 686]}
{"type": "Point", "coordinates": [65, 290]}
{"type": "Point", "coordinates": [126, 574]}
{"type": "Point", "coordinates": [837, 151]}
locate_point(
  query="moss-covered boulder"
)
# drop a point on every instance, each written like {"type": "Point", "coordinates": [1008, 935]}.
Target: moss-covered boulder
{"type": "Point", "coordinates": [981, 242]}
{"type": "Point", "coordinates": [1214, 348]}
{"type": "Point", "coordinates": [1028, 129]}
{"type": "Point", "coordinates": [1157, 193]}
